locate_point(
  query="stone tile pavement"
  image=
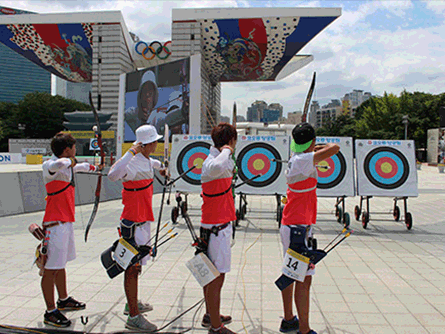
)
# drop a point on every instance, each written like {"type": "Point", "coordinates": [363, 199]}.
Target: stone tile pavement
{"type": "Point", "coordinates": [384, 279]}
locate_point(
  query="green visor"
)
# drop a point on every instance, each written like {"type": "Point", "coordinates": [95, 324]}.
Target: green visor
{"type": "Point", "coordinates": [298, 148]}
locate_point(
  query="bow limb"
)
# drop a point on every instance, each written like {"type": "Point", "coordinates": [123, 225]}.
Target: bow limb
{"type": "Point", "coordinates": [166, 148]}
{"type": "Point", "coordinates": [308, 99]}
{"type": "Point", "coordinates": [98, 134]}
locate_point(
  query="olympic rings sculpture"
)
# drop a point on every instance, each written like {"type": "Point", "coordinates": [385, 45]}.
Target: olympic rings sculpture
{"type": "Point", "coordinates": [154, 51]}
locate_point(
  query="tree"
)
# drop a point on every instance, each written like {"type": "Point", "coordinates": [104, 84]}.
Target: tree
{"type": "Point", "coordinates": [40, 115]}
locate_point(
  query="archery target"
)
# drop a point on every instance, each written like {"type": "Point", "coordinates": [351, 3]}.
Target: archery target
{"type": "Point", "coordinates": [386, 168]}
{"type": "Point", "coordinates": [188, 151]}
{"type": "Point", "coordinates": [254, 156]}
{"type": "Point", "coordinates": [336, 173]}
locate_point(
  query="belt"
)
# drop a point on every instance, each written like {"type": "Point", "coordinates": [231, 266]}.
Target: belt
{"type": "Point", "coordinates": [219, 194]}
{"type": "Point", "coordinates": [139, 189]}
{"type": "Point", "coordinates": [216, 229]}
{"type": "Point", "coordinates": [53, 224]}
{"type": "Point", "coordinates": [302, 190]}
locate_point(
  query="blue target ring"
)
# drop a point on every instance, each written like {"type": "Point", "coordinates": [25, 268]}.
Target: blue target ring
{"type": "Point", "coordinates": [189, 156]}
{"type": "Point", "coordinates": [335, 174]}
{"type": "Point", "coordinates": [256, 158]}
{"type": "Point", "coordinates": [386, 167]}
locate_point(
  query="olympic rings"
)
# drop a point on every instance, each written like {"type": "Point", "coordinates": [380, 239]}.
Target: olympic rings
{"type": "Point", "coordinates": [154, 51]}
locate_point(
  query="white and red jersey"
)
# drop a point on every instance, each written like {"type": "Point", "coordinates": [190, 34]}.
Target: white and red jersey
{"type": "Point", "coordinates": [216, 179]}
{"type": "Point", "coordinates": [301, 206]}
{"type": "Point", "coordinates": [57, 175]}
{"type": "Point", "coordinates": [136, 173]}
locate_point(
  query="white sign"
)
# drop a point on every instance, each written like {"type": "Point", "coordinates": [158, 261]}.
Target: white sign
{"type": "Point", "coordinates": [124, 253]}
{"type": "Point", "coordinates": [338, 179]}
{"type": "Point", "coordinates": [34, 150]}
{"type": "Point", "coordinates": [10, 158]}
{"type": "Point", "coordinates": [386, 168]}
{"type": "Point", "coordinates": [295, 265]}
{"type": "Point", "coordinates": [202, 269]}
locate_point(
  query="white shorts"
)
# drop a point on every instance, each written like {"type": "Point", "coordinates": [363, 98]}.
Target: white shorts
{"type": "Point", "coordinates": [285, 241]}
{"type": "Point", "coordinates": [61, 248]}
{"type": "Point", "coordinates": [142, 235]}
{"type": "Point", "coordinates": [219, 250]}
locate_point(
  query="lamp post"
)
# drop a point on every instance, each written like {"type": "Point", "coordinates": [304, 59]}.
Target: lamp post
{"type": "Point", "coordinates": [405, 122]}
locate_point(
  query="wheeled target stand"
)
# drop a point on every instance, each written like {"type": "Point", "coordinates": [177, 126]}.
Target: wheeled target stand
{"type": "Point", "coordinates": [340, 212]}
{"type": "Point", "coordinates": [365, 214]}
{"type": "Point", "coordinates": [242, 209]}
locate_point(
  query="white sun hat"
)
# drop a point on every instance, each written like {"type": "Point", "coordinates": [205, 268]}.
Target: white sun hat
{"type": "Point", "coordinates": [146, 134]}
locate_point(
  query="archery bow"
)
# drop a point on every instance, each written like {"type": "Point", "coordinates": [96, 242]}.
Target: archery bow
{"type": "Point", "coordinates": [98, 135]}
{"type": "Point", "coordinates": [308, 99]}
{"type": "Point", "coordinates": [166, 147]}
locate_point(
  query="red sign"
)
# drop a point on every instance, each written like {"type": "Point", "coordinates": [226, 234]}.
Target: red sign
{"type": "Point", "coordinates": [7, 11]}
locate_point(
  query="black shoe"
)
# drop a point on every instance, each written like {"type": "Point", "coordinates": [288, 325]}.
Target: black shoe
{"type": "Point", "coordinates": [56, 318]}
{"type": "Point", "coordinates": [225, 320]}
{"type": "Point", "coordinates": [289, 326]}
{"type": "Point", "coordinates": [310, 332]}
{"type": "Point", "coordinates": [70, 304]}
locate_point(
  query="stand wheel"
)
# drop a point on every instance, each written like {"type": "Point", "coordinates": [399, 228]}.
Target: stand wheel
{"type": "Point", "coordinates": [238, 217]}
{"type": "Point", "coordinates": [357, 213]}
{"type": "Point", "coordinates": [339, 214]}
{"type": "Point", "coordinates": [244, 209]}
{"type": "Point", "coordinates": [175, 214]}
{"type": "Point", "coordinates": [396, 213]}
{"type": "Point", "coordinates": [346, 220]}
{"type": "Point", "coordinates": [183, 207]}
{"type": "Point", "coordinates": [365, 219]}
{"type": "Point", "coordinates": [280, 215]}
{"type": "Point", "coordinates": [408, 220]}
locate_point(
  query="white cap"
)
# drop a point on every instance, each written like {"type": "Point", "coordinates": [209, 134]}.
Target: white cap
{"type": "Point", "coordinates": [176, 101]}
{"type": "Point", "coordinates": [146, 134]}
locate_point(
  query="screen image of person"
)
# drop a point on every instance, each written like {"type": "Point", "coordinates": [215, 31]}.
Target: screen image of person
{"type": "Point", "coordinates": [147, 98]}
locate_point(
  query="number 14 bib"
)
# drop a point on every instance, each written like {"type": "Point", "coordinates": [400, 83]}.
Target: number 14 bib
{"type": "Point", "coordinates": [295, 265]}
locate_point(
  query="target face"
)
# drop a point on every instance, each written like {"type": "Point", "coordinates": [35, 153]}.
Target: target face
{"type": "Point", "coordinates": [94, 144]}
{"type": "Point", "coordinates": [386, 167]}
{"type": "Point", "coordinates": [193, 154]}
{"type": "Point", "coordinates": [256, 159]}
{"type": "Point", "coordinates": [334, 173]}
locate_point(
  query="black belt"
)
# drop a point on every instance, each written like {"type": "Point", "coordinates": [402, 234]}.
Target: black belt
{"type": "Point", "coordinates": [215, 229]}
{"type": "Point", "coordinates": [139, 189]}
{"type": "Point", "coordinates": [219, 194]}
{"type": "Point", "coordinates": [60, 191]}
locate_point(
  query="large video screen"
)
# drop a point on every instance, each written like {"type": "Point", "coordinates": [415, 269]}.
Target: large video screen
{"type": "Point", "coordinates": [158, 96]}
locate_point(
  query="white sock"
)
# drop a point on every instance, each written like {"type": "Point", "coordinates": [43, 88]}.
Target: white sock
{"type": "Point", "coordinates": [62, 300]}
{"type": "Point", "coordinates": [47, 311]}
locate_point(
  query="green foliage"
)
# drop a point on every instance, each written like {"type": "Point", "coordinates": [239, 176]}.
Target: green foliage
{"type": "Point", "coordinates": [38, 115]}
{"type": "Point", "coordinates": [381, 118]}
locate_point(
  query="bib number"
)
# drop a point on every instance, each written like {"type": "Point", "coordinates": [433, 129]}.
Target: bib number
{"type": "Point", "coordinates": [295, 265]}
{"type": "Point", "coordinates": [202, 269]}
{"type": "Point", "coordinates": [124, 253]}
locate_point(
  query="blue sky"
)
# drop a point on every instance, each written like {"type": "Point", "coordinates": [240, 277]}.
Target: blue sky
{"type": "Point", "coordinates": [375, 46]}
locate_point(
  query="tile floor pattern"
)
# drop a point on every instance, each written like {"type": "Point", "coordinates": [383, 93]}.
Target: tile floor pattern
{"type": "Point", "coordinates": [383, 280]}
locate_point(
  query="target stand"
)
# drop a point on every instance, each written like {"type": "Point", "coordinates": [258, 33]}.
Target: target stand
{"type": "Point", "coordinates": [336, 176]}
{"type": "Point", "coordinates": [385, 168]}
{"type": "Point", "coordinates": [258, 155]}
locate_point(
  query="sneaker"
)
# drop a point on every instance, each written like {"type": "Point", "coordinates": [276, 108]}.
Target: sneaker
{"type": "Point", "coordinates": [225, 319]}
{"type": "Point", "coordinates": [70, 305]}
{"type": "Point", "coordinates": [140, 323]}
{"type": "Point", "coordinates": [56, 319]}
{"type": "Point", "coordinates": [310, 332]}
{"type": "Point", "coordinates": [143, 307]}
{"type": "Point", "coordinates": [289, 326]}
{"type": "Point", "coordinates": [221, 330]}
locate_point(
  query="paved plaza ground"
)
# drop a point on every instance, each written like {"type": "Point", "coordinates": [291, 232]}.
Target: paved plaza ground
{"type": "Point", "coordinates": [384, 279]}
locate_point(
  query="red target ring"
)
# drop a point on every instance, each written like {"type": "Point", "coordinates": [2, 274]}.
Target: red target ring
{"type": "Point", "coordinates": [258, 164]}
{"type": "Point", "coordinates": [386, 167]}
